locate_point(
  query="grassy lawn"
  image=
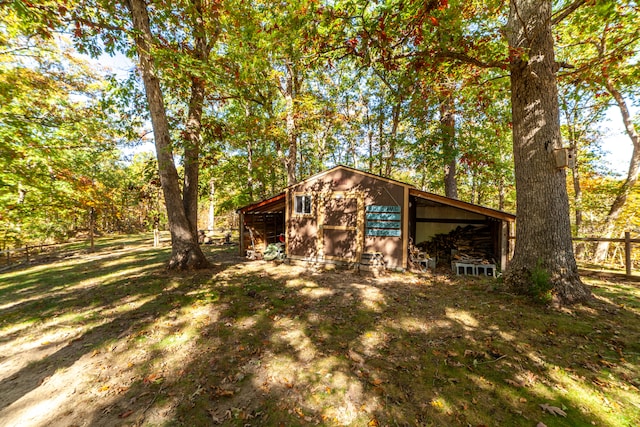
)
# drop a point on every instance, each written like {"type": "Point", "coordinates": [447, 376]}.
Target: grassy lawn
{"type": "Point", "coordinates": [109, 338]}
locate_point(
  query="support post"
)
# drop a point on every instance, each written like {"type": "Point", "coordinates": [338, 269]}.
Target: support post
{"type": "Point", "coordinates": [627, 252]}
{"type": "Point", "coordinates": [92, 225]}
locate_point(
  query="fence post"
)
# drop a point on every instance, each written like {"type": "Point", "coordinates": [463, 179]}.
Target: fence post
{"type": "Point", "coordinates": [627, 252]}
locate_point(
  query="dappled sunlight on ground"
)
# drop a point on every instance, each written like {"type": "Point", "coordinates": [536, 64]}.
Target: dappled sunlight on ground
{"type": "Point", "coordinates": [463, 317]}
{"type": "Point", "coordinates": [111, 339]}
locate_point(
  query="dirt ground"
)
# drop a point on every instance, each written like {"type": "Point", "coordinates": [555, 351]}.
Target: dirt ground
{"type": "Point", "coordinates": [110, 338]}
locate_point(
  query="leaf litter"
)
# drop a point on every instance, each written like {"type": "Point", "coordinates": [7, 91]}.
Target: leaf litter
{"type": "Point", "coordinates": [260, 344]}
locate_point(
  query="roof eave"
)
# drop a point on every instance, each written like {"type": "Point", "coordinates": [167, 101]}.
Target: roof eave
{"type": "Point", "coordinates": [494, 213]}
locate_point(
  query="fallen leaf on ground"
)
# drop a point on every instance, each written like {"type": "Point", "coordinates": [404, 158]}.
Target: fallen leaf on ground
{"type": "Point", "coordinates": [153, 378]}
{"type": "Point", "coordinates": [554, 410]}
{"type": "Point", "coordinates": [513, 383]}
{"type": "Point", "coordinates": [126, 413]}
{"type": "Point", "coordinates": [220, 392]}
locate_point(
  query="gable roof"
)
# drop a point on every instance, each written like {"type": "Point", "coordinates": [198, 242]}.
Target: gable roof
{"type": "Point", "coordinates": [350, 169]}
{"type": "Point", "coordinates": [277, 202]}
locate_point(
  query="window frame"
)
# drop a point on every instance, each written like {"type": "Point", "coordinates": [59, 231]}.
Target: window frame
{"type": "Point", "coordinates": [306, 202]}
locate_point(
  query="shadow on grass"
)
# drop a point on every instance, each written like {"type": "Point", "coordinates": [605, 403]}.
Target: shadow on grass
{"type": "Point", "coordinates": [259, 344]}
{"type": "Point", "coordinates": [37, 293]}
{"type": "Point", "coordinates": [340, 349]}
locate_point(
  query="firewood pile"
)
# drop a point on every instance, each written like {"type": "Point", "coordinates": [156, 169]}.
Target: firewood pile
{"type": "Point", "coordinates": [472, 244]}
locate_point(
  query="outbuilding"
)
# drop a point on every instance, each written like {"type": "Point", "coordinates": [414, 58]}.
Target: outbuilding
{"type": "Point", "coordinates": [344, 215]}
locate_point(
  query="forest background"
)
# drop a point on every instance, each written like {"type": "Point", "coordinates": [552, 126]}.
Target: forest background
{"type": "Point", "coordinates": [290, 89]}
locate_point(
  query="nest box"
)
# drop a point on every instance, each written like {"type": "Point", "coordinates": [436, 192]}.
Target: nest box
{"type": "Point", "coordinates": [565, 158]}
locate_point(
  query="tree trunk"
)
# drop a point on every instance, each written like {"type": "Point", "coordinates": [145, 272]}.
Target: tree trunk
{"type": "Point", "coordinates": [501, 195]}
{"type": "Point", "coordinates": [92, 228]}
{"type": "Point", "coordinates": [193, 134]}
{"type": "Point", "coordinates": [543, 258]}
{"type": "Point", "coordinates": [290, 94]}
{"type": "Point", "coordinates": [185, 251]}
{"type": "Point", "coordinates": [632, 176]}
{"type": "Point", "coordinates": [577, 200]}
{"type": "Point", "coordinates": [192, 153]}
{"type": "Point", "coordinates": [250, 168]}
{"type": "Point", "coordinates": [381, 118]}
{"type": "Point", "coordinates": [212, 193]}
{"type": "Point", "coordinates": [448, 133]}
{"type": "Point", "coordinates": [393, 138]}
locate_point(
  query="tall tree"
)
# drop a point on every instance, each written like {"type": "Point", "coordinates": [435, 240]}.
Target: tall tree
{"type": "Point", "coordinates": [193, 128]}
{"type": "Point", "coordinates": [605, 58]}
{"type": "Point", "coordinates": [448, 136]}
{"type": "Point", "coordinates": [544, 230]}
{"type": "Point", "coordinates": [582, 112]}
{"type": "Point", "coordinates": [185, 250]}
{"type": "Point", "coordinates": [57, 136]}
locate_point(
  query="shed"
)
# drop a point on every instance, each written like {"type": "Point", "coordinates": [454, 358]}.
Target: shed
{"type": "Point", "coordinates": [344, 215]}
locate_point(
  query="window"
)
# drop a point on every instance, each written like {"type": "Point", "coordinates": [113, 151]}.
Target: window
{"type": "Point", "coordinates": [303, 205]}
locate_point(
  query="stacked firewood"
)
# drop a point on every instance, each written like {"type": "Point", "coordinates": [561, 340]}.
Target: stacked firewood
{"type": "Point", "coordinates": [472, 243]}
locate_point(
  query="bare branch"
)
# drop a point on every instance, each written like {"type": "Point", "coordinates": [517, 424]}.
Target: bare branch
{"type": "Point", "coordinates": [463, 57]}
{"type": "Point", "coordinates": [563, 13]}
{"type": "Point", "coordinates": [457, 56]}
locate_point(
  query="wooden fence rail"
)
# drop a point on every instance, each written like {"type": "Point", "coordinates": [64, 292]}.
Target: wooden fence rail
{"type": "Point", "coordinates": [27, 250]}
{"type": "Point", "coordinates": [627, 247]}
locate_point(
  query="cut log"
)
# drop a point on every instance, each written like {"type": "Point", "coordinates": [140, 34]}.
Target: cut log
{"type": "Point", "coordinates": [472, 242]}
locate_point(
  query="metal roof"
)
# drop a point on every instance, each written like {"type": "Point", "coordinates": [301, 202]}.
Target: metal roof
{"type": "Point", "coordinates": [271, 205]}
{"type": "Point", "coordinates": [494, 213]}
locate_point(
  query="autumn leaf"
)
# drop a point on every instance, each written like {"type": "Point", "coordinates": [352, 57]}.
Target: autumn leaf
{"type": "Point", "coordinates": [554, 410]}
{"type": "Point", "coordinates": [222, 392]}
{"type": "Point", "coordinates": [153, 378]}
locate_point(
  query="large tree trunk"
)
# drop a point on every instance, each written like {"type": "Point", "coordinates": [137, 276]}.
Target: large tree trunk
{"type": "Point", "coordinates": [193, 134]}
{"type": "Point", "coordinates": [632, 176]}
{"type": "Point", "coordinates": [543, 249]}
{"type": "Point", "coordinates": [192, 153]}
{"type": "Point", "coordinates": [185, 251]}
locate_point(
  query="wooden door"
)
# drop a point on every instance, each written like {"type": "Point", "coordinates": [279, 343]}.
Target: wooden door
{"type": "Point", "coordinates": [341, 222]}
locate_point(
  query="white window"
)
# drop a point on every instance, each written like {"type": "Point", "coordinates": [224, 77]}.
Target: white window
{"type": "Point", "coordinates": [303, 205]}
